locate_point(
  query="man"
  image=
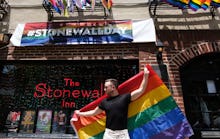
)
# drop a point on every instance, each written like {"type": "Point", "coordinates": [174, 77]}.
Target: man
{"type": "Point", "coordinates": [116, 108]}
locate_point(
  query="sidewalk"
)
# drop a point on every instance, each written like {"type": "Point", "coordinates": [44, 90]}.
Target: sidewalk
{"type": "Point", "coordinates": [36, 136]}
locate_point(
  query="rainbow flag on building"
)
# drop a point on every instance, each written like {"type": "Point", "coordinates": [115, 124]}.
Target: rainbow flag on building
{"type": "Point", "coordinates": [215, 3]}
{"type": "Point", "coordinates": [155, 115]}
{"type": "Point", "coordinates": [55, 6]}
{"type": "Point", "coordinates": [194, 4]}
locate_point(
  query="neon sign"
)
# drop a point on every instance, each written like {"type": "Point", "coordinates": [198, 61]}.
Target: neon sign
{"type": "Point", "coordinates": [45, 90]}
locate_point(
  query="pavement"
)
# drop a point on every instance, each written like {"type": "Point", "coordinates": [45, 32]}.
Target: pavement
{"type": "Point", "coordinates": [36, 136]}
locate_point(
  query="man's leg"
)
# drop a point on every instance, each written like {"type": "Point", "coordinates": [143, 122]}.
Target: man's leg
{"type": "Point", "coordinates": [109, 134]}
{"type": "Point", "coordinates": [124, 135]}
{"type": "Point", "coordinates": [119, 134]}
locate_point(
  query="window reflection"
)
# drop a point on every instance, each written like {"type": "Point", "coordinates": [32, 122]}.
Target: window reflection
{"type": "Point", "coordinates": [205, 109]}
{"type": "Point", "coordinates": [8, 80]}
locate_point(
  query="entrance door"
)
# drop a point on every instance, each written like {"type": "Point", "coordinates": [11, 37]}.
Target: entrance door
{"type": "Point", "coordinates": [200, 79]}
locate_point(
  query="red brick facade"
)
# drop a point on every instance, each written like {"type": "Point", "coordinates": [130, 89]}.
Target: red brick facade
{"type": "Point", "coordinates": [180, 57]}
{"type": "Point", "coordinates": [175, 54]}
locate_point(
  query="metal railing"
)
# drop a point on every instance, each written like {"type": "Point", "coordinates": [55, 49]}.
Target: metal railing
{"type": "Point", "coordinates": [4, 9]}
{"type": "Point", "coordinates": [98, 8]}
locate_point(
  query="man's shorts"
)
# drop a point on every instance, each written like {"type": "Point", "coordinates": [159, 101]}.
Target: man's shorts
{"type": "Point", "coordinates": [116, 134]}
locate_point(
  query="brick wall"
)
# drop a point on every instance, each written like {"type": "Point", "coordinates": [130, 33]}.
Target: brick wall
{"type": "Point", "coordinates": [181, 57]}
{"type": "Point", "coordinates": [175, 54]}
{"type": "Point", "coordinates": [180, 46]}
{"type": "Point", "coordinates": [75, 52]}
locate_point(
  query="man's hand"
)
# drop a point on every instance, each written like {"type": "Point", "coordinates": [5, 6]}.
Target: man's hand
{"type": "Point", "coordinates": [77, 112]}
{"type": "Point", "coordinates": [75, 116]}
{"type": "Point", "coordinates": [146, 71]}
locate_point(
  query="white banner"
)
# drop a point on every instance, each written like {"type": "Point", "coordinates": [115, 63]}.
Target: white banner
{"type": "Point", "coordinates": [141, 32]}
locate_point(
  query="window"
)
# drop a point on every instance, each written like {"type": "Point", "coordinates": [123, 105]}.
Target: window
{"type": "Point", "coordinates": [55, 85]}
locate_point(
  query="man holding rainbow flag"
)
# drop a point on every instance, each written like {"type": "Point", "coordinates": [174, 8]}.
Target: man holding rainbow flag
{"type": "Point", "coordinates": [147, 112]}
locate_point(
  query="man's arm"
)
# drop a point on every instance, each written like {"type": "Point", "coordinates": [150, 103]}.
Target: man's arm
{"type": "Point", "coordinates": [138, 92]}
{"type": "Point", "coordinates": [96, 111]}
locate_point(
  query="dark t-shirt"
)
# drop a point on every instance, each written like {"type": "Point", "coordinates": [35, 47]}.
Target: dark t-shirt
{"type": "Point", "coordinates": [116, 109]}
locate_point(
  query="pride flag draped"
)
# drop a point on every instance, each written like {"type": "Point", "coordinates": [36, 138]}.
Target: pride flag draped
{"type": "Point", "coordinates": [154, 115]}
{"type": "Point", "coordinates": [194, 4]}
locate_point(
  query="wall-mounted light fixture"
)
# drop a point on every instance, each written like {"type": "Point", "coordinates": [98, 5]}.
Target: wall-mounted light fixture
{"type": "Point", "coordinates": [159, 53]}
{"type": "Point", "coordinates": [4, 39]}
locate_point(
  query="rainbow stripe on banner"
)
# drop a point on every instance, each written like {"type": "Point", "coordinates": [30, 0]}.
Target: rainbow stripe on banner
{"type": "Point", "coordinates": [155, 115]}
{"type": "Point", "coordinates": [91, 32]}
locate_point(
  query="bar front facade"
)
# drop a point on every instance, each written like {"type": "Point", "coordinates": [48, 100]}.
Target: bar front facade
{"type": "Point", "coordinates": [45, 83]}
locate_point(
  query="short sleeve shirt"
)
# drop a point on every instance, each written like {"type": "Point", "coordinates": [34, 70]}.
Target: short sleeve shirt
{"type": "Point", "coordinates": [116, 109]}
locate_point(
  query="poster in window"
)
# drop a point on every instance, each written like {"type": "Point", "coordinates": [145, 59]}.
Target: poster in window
{"type": "Point", "coordinates": [211, 86]}
{"type": "Point", "coordinates": [12, 121]}
{"type": "Point", "coordinates": [27, 122]}
{"type": "Point", "coordinates": [59, 122]}
{"type": "Point", "coordinates": [70, 128]}
{"type": "Point", "coordinates": [44, 121]}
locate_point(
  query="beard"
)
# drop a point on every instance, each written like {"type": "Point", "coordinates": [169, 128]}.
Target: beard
{"type": "Point", "coordinates": [109, 93]}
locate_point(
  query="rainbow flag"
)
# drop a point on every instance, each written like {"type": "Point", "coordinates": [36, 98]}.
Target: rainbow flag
{"type": "Point", "coordinates": [194, 4]}
{"type": "Point", "coordinates": [155, 115]}
{"type": "Point", "coordinates": [182, 4]}
{"type": "Point", "coordinates": [79, 3]}
{"type": "Point", "coordinates": [206, 4]}
{"type": "Point", "coordinates": [66, 12]}
{"type": "Point", "coordinates": [60, 4]}
{"type": "Point", "coordinates": [55, 6]}
{"type": "Point", "coordinates": [107, 4]}
{"type": "Point", "coordinates": [215, 3]}
{"type": "Point", "coordinates": [91, 3]}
